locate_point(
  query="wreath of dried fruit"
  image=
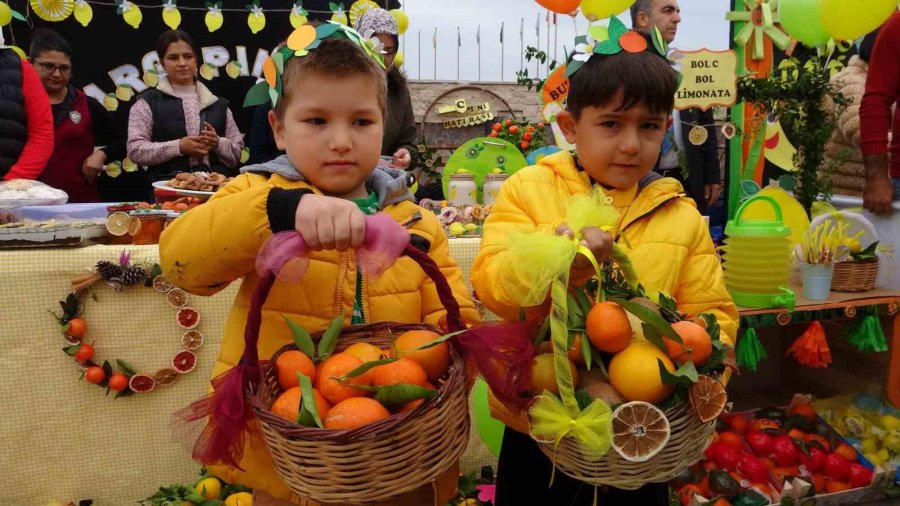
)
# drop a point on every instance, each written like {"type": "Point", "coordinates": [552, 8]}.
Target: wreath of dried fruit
{"type": "Point", "coordinates": [123, 378]}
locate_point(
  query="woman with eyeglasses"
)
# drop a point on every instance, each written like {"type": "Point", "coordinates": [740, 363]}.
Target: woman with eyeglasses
{"type": "Point", "coordinates": [180, 126]}
{"type": "Point", "coordinates": [80, 123]}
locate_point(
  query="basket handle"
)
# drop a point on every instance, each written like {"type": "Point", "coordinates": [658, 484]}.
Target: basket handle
{"type": "Point", "coordinates": [765, 198]}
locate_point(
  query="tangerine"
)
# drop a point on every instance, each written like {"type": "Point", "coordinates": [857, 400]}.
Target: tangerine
{"type": "Point", "coordinates": [402, 371]}
{"type": "Point", "coordinates": [287, 405]}
{"type": "Point", "coordinates": [634, 373]}
{"type": "Point", "coordinates": [77, 327]}
{"type": "Point", "coordinates": [118, 382]}
{"type": "Point", "coordinates": [696, 344]}
{"type": "Point", "coordinates": [819, 482]}
{"type": "Point", "coordinates": [364, 351]}
{"type": "Point", "coordinates": [819, 440]}
{"type": "Point", "coordinates": [804, 410]}
{"type": "Point", "coordinates": [835, 486]}
{"type": "Point", "coordinates": [739, 424]}
{"type": "Point", "coordinates": [435, 360]}
{"type": "Point", "coordinates": [543, 374]}
{"type": "Point", "coordinates": [355, 412]}
{"type": "Point", "coordinates": [608, 328]}
{"type": "Point", "coordinates": [846, 451]}
{"type": "Point", "coordinates": [94, 375]}
{"type": "Point", "coordinates": [337, 366]}
{"type": "Point", "coordinates": [289, 364]}
{"type": "Point", "coordinates": [731, 439]}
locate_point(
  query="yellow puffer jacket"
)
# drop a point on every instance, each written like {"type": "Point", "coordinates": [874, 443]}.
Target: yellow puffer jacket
{"type": "Point", "coordinates": [216, 243]}
{"type": "Point", "coordinates": [667, 239]}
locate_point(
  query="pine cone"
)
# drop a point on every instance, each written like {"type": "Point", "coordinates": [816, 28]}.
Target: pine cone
{"type": "Point", "coordinates": [109, 270]}
{"type": "Point", "coordinates": [134, 276]}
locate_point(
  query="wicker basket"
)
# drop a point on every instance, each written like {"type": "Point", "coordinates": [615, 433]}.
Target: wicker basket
{"type": "Point", "coordinates": [689, 438]}
{"type": "Point", "coordinates": [381, 460]}
{"type": "Point", "coordinates": [854, 276]}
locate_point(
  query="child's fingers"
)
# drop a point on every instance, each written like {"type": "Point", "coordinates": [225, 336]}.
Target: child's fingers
{"type": "Point", "coordinates": [357, 229]}
{"type": "Point", "coordinates": [342, 231]}
{"type": "Point", "coordinates": [306, 225]}
{"type": "Point", "coordinates": [564, 229]}
{"type": "Point", "coordinates": [325, 227]}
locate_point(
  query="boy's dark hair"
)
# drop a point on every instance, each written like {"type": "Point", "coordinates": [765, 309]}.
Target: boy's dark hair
{"type": "Point", "coordinates": [171, 36]}
{"type": "Point", "coordinates": [336, 58]}
{"type": "Point", "coordinates": [44, 40]}
{"type": "Point", "coordinates": [642, 78]}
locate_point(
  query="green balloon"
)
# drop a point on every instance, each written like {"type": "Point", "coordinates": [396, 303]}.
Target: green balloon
{"type": "Point", "coordinates": [490, 430]}
{"type": "Point", "coordinates": [802, 20]}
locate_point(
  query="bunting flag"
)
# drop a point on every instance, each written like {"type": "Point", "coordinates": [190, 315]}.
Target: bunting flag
{"type": "Point", "coordinates": [458, 38]}
{"type": "Point", "coordinates": [434, 39]}
{"type": "Point", "coordinates": [501, 32]}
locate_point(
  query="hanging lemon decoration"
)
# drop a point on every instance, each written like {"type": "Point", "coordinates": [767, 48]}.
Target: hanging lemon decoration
{"type": "Point", "coordinates": [359, 8]}
{"type": "Point", "coordinates": [337, 13]}
{"type": "Point", "coordinates": [256, 20]}
{"type": "Point", "coordinates": [171, 15]}
{"type": "Point", "coordinates": [83, 12]}
{"type": "Point", "coordinates": [298, 15]}
{"type": "Point", "coordinates": [214, 17]}
{"type": "Point", "coordinates": [52, 10]}
{"type": "Point", "coordinates": [7, 15]}
{"type": "Point", "coordinates": [130, 12]}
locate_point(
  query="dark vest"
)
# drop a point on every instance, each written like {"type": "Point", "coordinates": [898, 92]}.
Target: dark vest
{"type": "Point", "coordinates": [73, 142]}
{"type": "Point", "coordinates": [13, 119]}
{"type": "Point", "coordinates": [169, 124]}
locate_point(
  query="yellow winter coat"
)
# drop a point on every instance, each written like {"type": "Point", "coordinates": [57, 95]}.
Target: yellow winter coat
{"type": "Point", "coordinates": [666, 238]}
{"type": "Point", "coordinates": [214, 244]}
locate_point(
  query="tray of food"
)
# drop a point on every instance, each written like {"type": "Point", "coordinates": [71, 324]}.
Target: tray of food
{"type": "Point", "coordinates": [194, 183]}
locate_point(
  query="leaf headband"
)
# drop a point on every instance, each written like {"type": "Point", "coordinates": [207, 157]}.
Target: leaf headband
{"type": "Point", "coordinates": [613, 40]}
{"type": "Point", "coordinates": [299, 44]}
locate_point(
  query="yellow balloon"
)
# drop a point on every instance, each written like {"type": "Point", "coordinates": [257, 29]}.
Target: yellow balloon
{"type": "Point", "coordinates": [5, 14]}
{"type": "Point", "coordinates": [213, 21]}
{"type": "Point", "coordinates": [792, 213]}
{"type": "Point", "coordinates": [845, 20]}
{"type": "Point", "coordinates": [402, 20]}
{"type": "Point", "coordinates": [398, 59]}
{"type": "Point", "coordinates": [84, 13]}
{"type": "Point", "coordinates": [595, 10]}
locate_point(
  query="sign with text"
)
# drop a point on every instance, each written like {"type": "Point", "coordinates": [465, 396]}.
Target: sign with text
{"type": "Point", "coordinates": [709, 79]}
{"type": "Point", "coordinates": [471, 114]}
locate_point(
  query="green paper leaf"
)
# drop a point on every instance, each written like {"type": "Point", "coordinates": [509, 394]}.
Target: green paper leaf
{"type": "Point", "coordinates": [326, 30]}
{"type": "Point", "coordinates": [125, 368]}
{"type": "Point", "coordinates": [17, 15]}
{"type": "Point", "coordinates": [257, 95]}
{"type": "Point", "coordinates": [684, 375]}
{"type": "Point", "coordinates": [329, 337]}
{"type": "Point", "coordinates": [396, 396]}
{"type": "Point", "coordinates": [573, 67]}
{"type": "Point", "coordinates": [278, 59]}
{"type": "Point", "coordinates": [313, 45]}
{"type": "Point", "coordinates": [647, 315]}
{"type": "Point", "coordinates": [749, 188]}
{"type": "Point", "coordinates": [749, 352]}
{"type": "Point", "coordinates": [302, 339]}
{"type": "Point", "coordinates": [308, 399]}
{"type": "Point", "coordinates": [659, 43]}
{"type": "Point", "coordinates": [367, 366]}
{"type": "Point", "coordinates": [616, 28]}
{"type": "Point", "coordinates": [332, 6]}
{"type": "Point", "coordinates": [273, 96]}
{"type": "Point", "coordinates": [608, 47]}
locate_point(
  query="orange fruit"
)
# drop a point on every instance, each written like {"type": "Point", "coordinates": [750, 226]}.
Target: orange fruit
{"type": "Point", "coordinates": [846, 451]}
{"type": "Point", "coordinates": [709, 465]}
{"type": "Point", "coordinates": [337, 366]}
{"type": "Point", "coordinates": [765, 425]}
{"type": "Point", "coordinates": [696, 347]}
{"type": "Point", "coordinates": [739, 424]}
{"type": "Point", "coordinates": [721, 502]}
{"type": "Point", "coordinates": [575, 354]}
{"type": "Point", "coordinates": [287, 405]}
{"type": "Point", "coordinates": [435, 360]}
{"type": "Point", "coordinates": [769, 463]}
{"type": "Point", "coordinates": [403, 371]}
{"type": "Point", "coordinates": [804, 410]}
{"type": "Point", "coordinates": [608, 328]}
{"type": "Point", "coordinates": [118, 382]}
{"type": "Point", "coordinates": [796, 434]}
{"type": "Point", "coordinates": [77, 327]}
{"type": "Point", "coordinates": [835, 486]}
{"type": "Point", "coordinates": [821, 440]}
{"type": "Point", "coordinates": [543, 374]}
{"type": "Point", "coordinates": [708, 398]}
{"type": "Point", "coordinates": [355, 412]}
{"type": "Point", "coordinates": [686, 493]}
{"type": "Point", "coordinates": [634, 373]}
{"type": "Point", "coordinates": [289, 364]}
{"type": "Point", "coordinates": [732, 439]}
{"type": "Point", "coordinates": [364, 351]}
{"type": "Point", "coordinates": [819, 482]}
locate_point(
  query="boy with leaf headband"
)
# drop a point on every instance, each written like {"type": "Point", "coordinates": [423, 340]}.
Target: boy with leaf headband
{"type": "Point", "coordinates": [621, 96]}
{"type": "Point", "coordinates": [328, 90]}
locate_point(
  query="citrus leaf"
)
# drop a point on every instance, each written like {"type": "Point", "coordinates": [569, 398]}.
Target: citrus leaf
{"type": "Point", "coordinates": [329, 337]}
{"type": "Point", "coordinates": [649, 316]}
{"type": "Point", "coordinates": [685, 375]}
{"type": "Point", "coordinates": [439, 340]}
{"type": "Point", "coordinates": [667, 302]}
{"type": "Point", "coordinates": [598, 361]}
{"type": "Point", "coordinates": [124, 393]}
{"type": "Point", "coordinates": [586, 351]}
{"type": "Point", "coordinates": [396, 396]}
{"type": "Point", "coordinates": [542, 332]}
{"type": "Point", "coordinates": [125, 368]}
{"type": "Point", "coordinates": [308, 400]}
{"type": "Point", "coordinates": [576, 315]}
{"type": "Point", "coordinates": [584, 302]}
{"type": "Point", "coordinates": [71, 350]}
{"type": "Point", "coordinates": [712, 326]}
{"type": "Point", "coordinates": [653, 335]}
{"type": "Point", "coordinates": [365, 367]}
{"type": "Point", "coordinates": [302, 339]}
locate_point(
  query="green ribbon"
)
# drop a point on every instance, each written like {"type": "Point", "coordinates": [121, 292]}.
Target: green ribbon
{"type": "Point", "coordinates": [868, 335]}
{"type": "Point", "coordinates": [750, 351]}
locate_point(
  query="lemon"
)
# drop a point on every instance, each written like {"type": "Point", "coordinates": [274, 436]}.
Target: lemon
{"type": "Point", "coordinates": [297, 17]}
{"type": "Point", "coordinates": [114, 169]}
{"type": "Point", "coordinates": [256, 21]}
{"type": "Point", "coordinates": [124, 92]}
{"type": "Point", "coordinates": [891, 442]}
{"type": "Point", "coordinates": [856, 425]}
{"type": "Point", "coordinates": [128, 165]}
{"type": "Point", "coordinates": [233, 69]}
{"type": "Point", "coordinates": [171, 16]}
{"type": "Point", "coordinates": [874, 458]}
{"type": "Point", "coordinates": [84, 13]}
{"type": "Point", "coordinates": [239, 499]}
{"type": "Point", "coordinates": [5, 14]}
{"type": "Point", "coordinates": [457, 228]}
{"type": "Point", "coordinates": [471, 227]}
{"type": "Point", "coordinates": [339, 17]}
{"type": "Point", "coordinates": [884, 455]}
{"type": "Point", "coordinates": [213, 21]}
{"type": "Point", "coordinates": [890, 422]}
{"type": "Point", "coordinates": [869, 445]}
{"type": "Point", "coordinates": [209, 488]}
{"type": "Point", "coordinates": [133, 16]}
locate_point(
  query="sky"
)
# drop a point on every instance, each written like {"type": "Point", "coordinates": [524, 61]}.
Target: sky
{"type": "Point", "coordinates": [703, 25]}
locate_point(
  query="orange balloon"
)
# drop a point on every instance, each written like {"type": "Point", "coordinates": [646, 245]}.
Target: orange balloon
{"type": "Point", "coordinates": [560, 6]}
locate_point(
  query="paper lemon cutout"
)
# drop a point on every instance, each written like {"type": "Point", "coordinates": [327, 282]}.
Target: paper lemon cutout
{"type": "Point", "coordinates": [52, 10]}
{"type": "Point", "coordinates": [338, 15]}
{"type": "Point", "coordinates": [83, 12]}
{"type": "Point", "coordinates": [298, 15]}
{"type": "Point", "coordinates": [213, 18]}
{"type": "Point", "coordinates": [256, 20]}
{"type": "Point", "coordinates": [398, 59]}
{"type": "Point", "coordinates": [359, 8]}
{"type": "Point", "coordinates": [131, 13]}
{"type": "Point", "coordinates": [171, 15]}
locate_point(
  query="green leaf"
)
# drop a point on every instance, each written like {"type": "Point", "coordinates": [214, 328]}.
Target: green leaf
{"type": "Point", "coordinates": [396, 396]}
{"type": "Point", "coordinates": [257, 95]}
{"type": "Point", "coordinates": [712, 326]}
{"type": "Point", "coordinates": [584, 302]}
{"type": "Point", "coordinates": [542, 332]}
{"type": "Point", "coordinates": [71, 350]}
{"type": "Point", "coordinates": [649, 316]}
{"type": "Point", "coordinates": [667, 303]}
{"type": "Point", "coordinates": [866, 254]}
{"type": "Point", "coordinates": [366, 366]}
{"type": "Point", "coordinates": [685, 375]}
{"type": "Point", "coordinates": [653, 335]}
{"type": "Point", "coordinates": [439, 340]}
{"type": "Point", "coordinates": [598, 361]}
{"type": "Point", "coordinates": [18, 15]}
{"type": "Point", "coordinates": [302, 339]}
{"type": "Point", "coordinates": [583, 399]}
{"type": "Point", "coordinates": [586, 351]}
{"type": "Point", "coordinates": [308, 399]}
{"type": "Point", "coordinates": [326, 30]}
{"type": "Point", "coordinates": [332, 6]}
{"type": "Point", "coordinates": [576, 315]}
{"type": "Point", "coordinates": [125, 368]}
{"type": "Point", "coordinates": [195, 497]}
{"type": "Point", "coordinates": [329, 337]}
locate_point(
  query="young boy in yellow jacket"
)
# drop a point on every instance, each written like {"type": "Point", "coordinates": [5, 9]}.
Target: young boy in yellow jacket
{"type": "Point", "coordinates": [329, 118]}
{"type": "Point", "coordinates": [618, 111]}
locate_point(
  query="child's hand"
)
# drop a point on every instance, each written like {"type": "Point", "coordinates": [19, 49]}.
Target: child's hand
{"type": "Point", "coordinates": [599, 242]}
{"type": "Point", "coordinates": [328, 223]}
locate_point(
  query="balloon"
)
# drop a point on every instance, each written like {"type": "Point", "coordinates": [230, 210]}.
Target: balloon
{"type": "Point", "coordinates": [802, 20]}
{"type": "Point", "coordinates": [595, 10]}
{"type": "Point", "coordinates": [490, 430]}
{"type": "Point", "coordinates": [848, 20]}
{"type": "Point", "coordinates": [398, 59]}
{"type": "Point", "coordinates": [402, 20]}
{"type": "Point", "coordinates": [560, 6]}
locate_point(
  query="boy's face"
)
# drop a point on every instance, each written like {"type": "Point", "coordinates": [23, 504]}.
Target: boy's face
{"type": "Point", "coordinates": [332, 130]}
{"type": "Point", "coordinates": [616, 147]}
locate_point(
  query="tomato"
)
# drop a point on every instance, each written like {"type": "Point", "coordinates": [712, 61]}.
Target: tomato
{"type": "Point", "coordinates": [514, 129]}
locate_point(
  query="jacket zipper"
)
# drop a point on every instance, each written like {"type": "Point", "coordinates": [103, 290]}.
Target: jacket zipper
{"type": "Point", "coordinates": [342, 275]}
{"type": "Point", "coordinates": [364, 303]}
{"type": "Point", "coordinates": [641, 217]}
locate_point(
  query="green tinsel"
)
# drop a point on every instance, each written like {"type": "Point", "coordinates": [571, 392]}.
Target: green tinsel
{"type": "Point", "coordinates": [750, 351]}
{"type": "Point", "coordinates": [868, 336]}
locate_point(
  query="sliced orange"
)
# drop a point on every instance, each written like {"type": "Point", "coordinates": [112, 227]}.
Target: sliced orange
{"type": "Point", "coordinates": [118, 223]}
{"type": "Point", "coordinates": [192, 340]}
{"type": "Point", "coordinates": [708, 398]}
{"type": "Point", "coordinates": [162, 284]}
{"type": "Point", "coordinates": [177, 297]}
{"type": "Point", "coordinates": [640, 431]}
{"type": "Point", "coordinates": [166, 376]}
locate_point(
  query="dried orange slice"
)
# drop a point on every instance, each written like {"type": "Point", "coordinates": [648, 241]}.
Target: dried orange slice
{"type": "Point", "coordinates": [708, 398]}
{"type": "Point", "coordinates": [184, 361]}
{"type": "Point", "coordinates": [192, 340]}
{"type": "Point", "coordinates": [177, 297]}
{"type": "Point", "coordinates": [134, 226]}
{"type": "Point", "coordinates": [166, 376]}
{"type": "Point", "coordinates": [117, 223]}
{"type": "Point", "coordinates": [162, 284]}
{"type": "Point", "coordinates": [141, 383]}
{"type": "Point", "coordinates": [640, 431]}
{"type": "Point", "coordinates": [188, 318]}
